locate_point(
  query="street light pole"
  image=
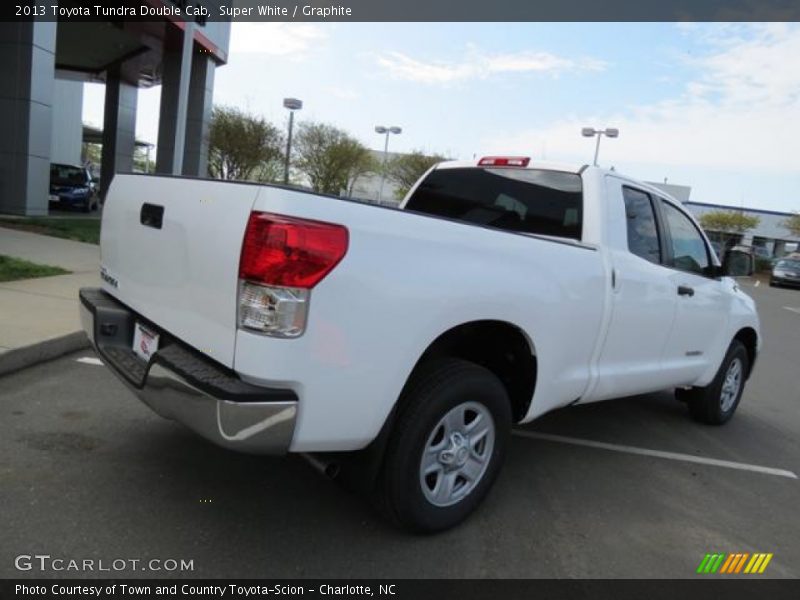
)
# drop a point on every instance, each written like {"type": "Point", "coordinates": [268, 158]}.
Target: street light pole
{"type": "Point", "coordinates": [596, 147]}
{"type": "Point", "coordinates": [292, 104]}
{"type": "Point", "coordinates": [387, 131]}
{"type": "Point", "coordinates": [610, 132]}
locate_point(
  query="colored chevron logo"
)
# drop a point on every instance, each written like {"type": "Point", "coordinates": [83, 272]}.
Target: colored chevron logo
{"type": "Point", "coordinates": [735, 563]}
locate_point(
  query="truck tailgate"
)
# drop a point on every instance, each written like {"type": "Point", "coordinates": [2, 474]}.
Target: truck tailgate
{"type": "Point", "coordinates": [170, 250]}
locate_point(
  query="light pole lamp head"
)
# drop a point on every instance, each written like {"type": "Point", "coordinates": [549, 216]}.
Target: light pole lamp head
{"type": "Point", "coordinates": [612, 132]}
{"type": "Point", "coordinates": [292, 103]}
{"type": "Point", "coordinates": [395, 129]}
{"type": "Point", "coordinates": [380, 129]}
{"type": "Point", "coordinates": [588, 132]}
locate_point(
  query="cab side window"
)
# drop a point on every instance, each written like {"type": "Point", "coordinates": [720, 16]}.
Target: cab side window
{"type": "Point", "coordinates": [641, 220]}
{"type": "Point", "coordinates": [689, 251]}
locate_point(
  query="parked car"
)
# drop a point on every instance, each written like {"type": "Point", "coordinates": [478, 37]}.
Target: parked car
{"type": "Point", "coordinates": [399, 347]}
{"type": "Point", "coordinates": [786, 272]}
{"type": "Point", "coordinates": [72, 187]}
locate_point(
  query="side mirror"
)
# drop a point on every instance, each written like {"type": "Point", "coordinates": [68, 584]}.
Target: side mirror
{"type": "Point", "coordinates": [738, 263]}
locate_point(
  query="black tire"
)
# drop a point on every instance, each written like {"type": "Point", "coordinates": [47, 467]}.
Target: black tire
{"type": "Point", "coordinates": [706, 404]}
{"type": "Point", "coordinates": [438, 389]}
{"type": "Point", "coordinates": [87, 207]}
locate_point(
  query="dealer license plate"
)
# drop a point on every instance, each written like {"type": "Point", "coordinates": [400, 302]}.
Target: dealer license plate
{"type": "Point", "coordinates": [145, 342]}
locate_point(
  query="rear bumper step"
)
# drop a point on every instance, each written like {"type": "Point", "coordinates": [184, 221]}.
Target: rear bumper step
{"type": "Point", "coordinates": [180, 383]}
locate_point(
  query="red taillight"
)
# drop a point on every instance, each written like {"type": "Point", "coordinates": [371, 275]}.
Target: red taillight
{"type": "Point", "coordinates": [290, 252]}
{"type": "Point", "coordinates": [504, 161]}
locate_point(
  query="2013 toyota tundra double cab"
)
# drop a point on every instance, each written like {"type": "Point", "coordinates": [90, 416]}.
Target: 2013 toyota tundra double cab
{"type": "Point", "coordinates": [405, 343]}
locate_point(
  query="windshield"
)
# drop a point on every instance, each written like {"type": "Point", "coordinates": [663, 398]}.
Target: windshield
{"type": "Point", "coordinates": [788, 264]}
{"type": "Point", "coordinates": [523, 200]}
{"type": "Point", "coordinates": [67, 175]}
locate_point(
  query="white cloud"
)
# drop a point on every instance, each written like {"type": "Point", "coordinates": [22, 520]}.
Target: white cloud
{"type": "Point", "coordinates": [760, 66]}
{"type": "Point", "coordinates": [277, 39]}
{"type": "Point", "coordinates": [740, 110]}
{"type": "Point", "coordinates": [479, 65]}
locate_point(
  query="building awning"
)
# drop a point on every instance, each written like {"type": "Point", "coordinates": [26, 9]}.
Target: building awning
{"type": "Point", "coordinates": [94, 135]}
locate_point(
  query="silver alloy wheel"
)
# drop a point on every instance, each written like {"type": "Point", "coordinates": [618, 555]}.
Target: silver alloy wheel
{"type": "Point", "coordinates": [731, 385]}
{"type": "Point", "coordinates": [457, 454]}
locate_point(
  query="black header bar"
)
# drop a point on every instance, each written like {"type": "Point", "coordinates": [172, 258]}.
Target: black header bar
{"type": "Point", "coordinates": [473, 589]}
{"type": "Point", "coordinates": [405, 10]}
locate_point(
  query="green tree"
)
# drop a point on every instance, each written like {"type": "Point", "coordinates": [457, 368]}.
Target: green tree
{"type": "Point", "coordinates": [793, 224]}
{"type": "Point", "coordinates": [92, 153]}
{"type": "Point", "coordinates": [140, 160]}
{"type": "Point", "coordinates": [364, 165]}
{"type": "Point", "coordinates": [406, 169]}
{"type": "Point", "coordinates": [728, 221]}
{"type": "Point", "coordinates": [243, 145]}
{"type": "Point", "coordinates": [329, 157]}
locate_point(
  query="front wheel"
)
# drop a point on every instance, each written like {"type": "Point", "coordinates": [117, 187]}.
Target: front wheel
{"type": "Point", "coordinates": [716, 403]}
{"type": "Point", "coordinates": [447, 446]}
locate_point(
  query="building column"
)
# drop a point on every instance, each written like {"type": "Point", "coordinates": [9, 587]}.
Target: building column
{"type": "Point", "coordinates": [67, 136]}
{"type": "Point", "coordinates": [27, 62]}
{"type": "Point", "coordinates": [198, 116]}
{"type": "Point", "coordinates": [174, 99]}
{"type": "Point", "coordinates": [119, 126]}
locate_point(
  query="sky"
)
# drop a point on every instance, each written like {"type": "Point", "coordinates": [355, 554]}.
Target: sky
{"type": "Point", "coordinates": [714, 106]}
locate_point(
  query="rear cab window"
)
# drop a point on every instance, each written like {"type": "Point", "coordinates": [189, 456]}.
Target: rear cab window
{"type": "Point", "coordinates": [535, 201]}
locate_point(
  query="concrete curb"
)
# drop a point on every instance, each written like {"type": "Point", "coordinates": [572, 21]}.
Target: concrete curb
{"type": "Point", "coordinates": [27, 356]}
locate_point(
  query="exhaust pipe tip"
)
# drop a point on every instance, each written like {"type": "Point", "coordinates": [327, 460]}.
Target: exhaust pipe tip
{"type": "Point", "coordinates": [328, 468]}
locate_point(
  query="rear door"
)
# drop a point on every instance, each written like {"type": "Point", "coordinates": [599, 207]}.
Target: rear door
{"type": "Point", "coordinates": [643, 299]}
{"type": "Point", "coordinates": [170, 250]}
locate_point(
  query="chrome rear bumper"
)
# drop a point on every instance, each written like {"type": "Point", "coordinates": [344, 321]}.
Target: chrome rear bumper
{"type": "Point", "coordinates": [181, 384]}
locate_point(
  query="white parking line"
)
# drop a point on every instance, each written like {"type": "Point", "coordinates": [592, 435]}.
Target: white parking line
{"type": "Point", "coordinates": [793, 309]}
{"type": "Point", "coordinates": [655, 453]}
{"type": "Point", "coordinates": [89, 360]}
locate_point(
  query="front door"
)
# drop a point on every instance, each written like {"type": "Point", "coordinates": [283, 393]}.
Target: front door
{"type": "Point", "coordinates": [702, 310]}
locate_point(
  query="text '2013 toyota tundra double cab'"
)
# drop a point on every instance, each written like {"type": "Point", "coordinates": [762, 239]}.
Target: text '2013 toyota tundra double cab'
{"type": "Point", "coordinates": [404, 344]}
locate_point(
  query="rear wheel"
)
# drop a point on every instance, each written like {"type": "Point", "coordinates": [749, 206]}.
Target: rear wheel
{"type": "Point", "coordinates": [447, 446]}
{"type": "Point", "coordinates": [716, 403]}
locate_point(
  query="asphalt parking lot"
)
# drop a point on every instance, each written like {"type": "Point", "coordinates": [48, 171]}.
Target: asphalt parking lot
{"type": "Point", "coordinates": [86, 472]}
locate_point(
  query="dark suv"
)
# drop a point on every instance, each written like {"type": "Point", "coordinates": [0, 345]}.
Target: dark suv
{"type": "Point", "coordinates": [72, 187]}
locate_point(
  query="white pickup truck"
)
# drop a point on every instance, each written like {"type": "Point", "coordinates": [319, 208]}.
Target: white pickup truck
{"type": "Point", "coordinates": [405, 344]}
